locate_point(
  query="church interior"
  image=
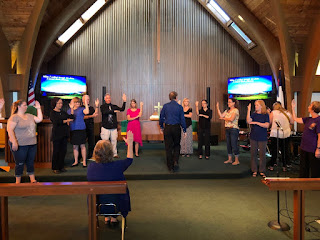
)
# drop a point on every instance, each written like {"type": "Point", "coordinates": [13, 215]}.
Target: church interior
{"type": "Point", "coordinates": [145, 49]}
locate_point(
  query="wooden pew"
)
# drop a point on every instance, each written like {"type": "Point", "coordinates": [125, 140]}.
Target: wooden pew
{"type": "Point", "coordinates": [58, 188]}
{"type": "Point", "coordinates": [298, 186]}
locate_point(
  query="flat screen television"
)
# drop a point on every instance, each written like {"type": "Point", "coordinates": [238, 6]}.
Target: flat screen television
{"type": "Point", "coordinates": [64, 86]}
{"type": "Point", "coordinates": [250, 88]}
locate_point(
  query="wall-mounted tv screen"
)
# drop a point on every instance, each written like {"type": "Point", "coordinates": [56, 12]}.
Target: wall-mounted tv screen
{"type": "Point", "coordinates": [250, 88]}
{"type": "Point", "coordinates": [64, 86]}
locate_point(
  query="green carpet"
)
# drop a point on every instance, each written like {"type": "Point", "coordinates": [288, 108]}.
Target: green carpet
{"type": "Point", "coordinates": [166, 209]}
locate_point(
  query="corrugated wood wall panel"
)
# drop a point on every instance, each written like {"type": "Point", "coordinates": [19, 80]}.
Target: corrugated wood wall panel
{"type": "Point", "coordinates": [118, 49]}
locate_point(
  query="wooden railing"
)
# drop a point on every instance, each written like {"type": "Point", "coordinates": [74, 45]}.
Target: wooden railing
{"type": "Point", "coordinates": [58, 188]}
{"type": "Point", "coordinates": [298, 186]}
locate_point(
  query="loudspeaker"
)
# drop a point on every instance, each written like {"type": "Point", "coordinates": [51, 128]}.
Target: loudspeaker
{"type": "Point", "coordinates": [214, 140]}
{"type": "Point", "coordinates": [208, 96]}
{"type": "Point", "coordinates": [104, 91]}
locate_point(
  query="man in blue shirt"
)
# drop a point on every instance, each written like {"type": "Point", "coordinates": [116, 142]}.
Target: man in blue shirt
{"type": "Point", "coordinates": [171, 120]}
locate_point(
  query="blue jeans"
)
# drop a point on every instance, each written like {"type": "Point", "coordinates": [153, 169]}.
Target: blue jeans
{"type": "Point", "coordinates": [232, 135]}
{"type": "Point", "coordinates": [24, 155]}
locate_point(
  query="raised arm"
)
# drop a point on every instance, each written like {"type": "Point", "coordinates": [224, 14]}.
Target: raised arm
{"type": "Point", "coordinates": [249, 119]}
{"type": "Point", "coordinates": [221, 115]}
{"type": "Point", "coordinates": [39, 116]}
{"type": "Point", "coordinates": [141, 109]}
{"type": "Point", "coordinates": [197, 108]}
{"type": "Point", "coordinates": [294, 116]}
{"type": "Point", "coordinates": [129, 142]}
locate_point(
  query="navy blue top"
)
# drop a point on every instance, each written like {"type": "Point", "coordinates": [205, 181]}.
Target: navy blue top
{"type": "Point", "coordinates": [310, 134]}
{"type": "Point", "coordinates": [172, 113]}
{"type": "Point", "coordinates": [259, 133]}
{"type": "Point", "coordinates": [111, 171]}
{"type": "Point", "coordinates": [78, 122]}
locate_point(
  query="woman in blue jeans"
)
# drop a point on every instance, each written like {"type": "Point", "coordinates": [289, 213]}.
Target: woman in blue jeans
{"type": "Point", "coordinates": [231, 117]}
{"type": "Point", "coordinates": [22, 137]}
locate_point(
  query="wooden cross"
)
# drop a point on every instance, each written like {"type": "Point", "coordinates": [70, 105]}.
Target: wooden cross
{"type": "Point", "coordinates": [158, 108]}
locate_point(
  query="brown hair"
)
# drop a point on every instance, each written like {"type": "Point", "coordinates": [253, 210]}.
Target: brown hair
{"type": "Point", "coordinates": [54, 101]}
{"type": "Point", "coordinates": [133, 100]}
{"type": "Point", "coordinates": [277, 106]}
{"type": "Point", "coordinates": [173, 95]}
{"type": "Point", "coordinates": [76, 99]}
{"type": "Point", "coordinates": [236, 102]}
{"type": "Point", "coordinates": [14, 106]}
{"type": "Point", "coordinates": [102, 152]}
{"type": "Point", "coordinates": [315, 106]}
{"type": "Point", "coordinates": [263, 106]}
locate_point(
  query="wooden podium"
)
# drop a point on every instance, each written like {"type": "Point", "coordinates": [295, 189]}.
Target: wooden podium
{"type": "Point", "coordinates": [44, 145]}
{"type": "Point", "coordinates": [298, 186]}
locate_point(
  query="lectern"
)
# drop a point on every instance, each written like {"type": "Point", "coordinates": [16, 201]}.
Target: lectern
{"type": "Point", "coordinates": [298, 186]}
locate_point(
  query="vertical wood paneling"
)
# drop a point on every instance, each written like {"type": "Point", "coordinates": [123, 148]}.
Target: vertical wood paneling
{"type": "Point", "coordinates": [118, 49]}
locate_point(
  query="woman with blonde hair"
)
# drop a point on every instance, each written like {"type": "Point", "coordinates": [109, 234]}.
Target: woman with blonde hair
{"type": "Point", "coordinates": [106, 169]}
{"type": "Point", "coordinates": [22, 137]}
{"type": "Point", "coordinates": [133, 115]}
{"type": "Point", "coordinates": [280, 118]}
{"type": "Point", "coordinates": [186, 142]}
{"type": "Point", "coordinates": [259, 122]}
{"type": "Point", "coordinates": [310, 142]}
{"type": "Point", "coordinates": [78, 130]}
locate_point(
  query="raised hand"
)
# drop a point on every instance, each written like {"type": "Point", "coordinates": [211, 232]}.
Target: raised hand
{"type": "Point", "coordinates": [96, 102]}
{"type": "Point", "coordinates": [141, 104]}
{"type": "Point", "coordinates": [124, 97]}
{"type": "Point", "coordinates": [249, 107]}
{"type": "Point", "coordinates": [37, 105]}
{"type": "Point", "coordinates": [129, 139]}
{"type": "Point", "coordinates": [179, 102]}
{"type": "Point", "coordinates": [197, 103]}
{"type": "Point", "coordinates": [293, 103]}
{"type": "Point", "coordinates": [217, 105]}
{"type": "Point", "coordinates": [71, 104]}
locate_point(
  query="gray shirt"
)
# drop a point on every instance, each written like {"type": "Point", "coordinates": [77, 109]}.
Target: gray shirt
{"type": "Point", "coordinates": [25, 129]}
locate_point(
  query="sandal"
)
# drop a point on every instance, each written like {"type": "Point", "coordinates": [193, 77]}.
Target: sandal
{"type": "Point", "coordinates": [200, 156]}
{"type": "Point", "coordinates": [270, 168]}
{"type": "Point", "coordinates": [228, 161]}
{"type": "Point", "coordinates": [254, 174]}
{"type": "Point", "coordinates": [262, 175]}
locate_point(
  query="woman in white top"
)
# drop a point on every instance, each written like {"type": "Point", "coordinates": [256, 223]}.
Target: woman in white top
{"type": "Point", "coordinates": [231, 117]}
{"type": "Point", "coordinates": [280, 118]}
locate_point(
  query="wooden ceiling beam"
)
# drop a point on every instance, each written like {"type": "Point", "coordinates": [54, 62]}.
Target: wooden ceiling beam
{"type": "Point", "coordinates": [264, 38]}
{"type": "Point", "coordinates": [51, 32]}
{"type": "Point", "coordinates": [286, 47]}
{"type": "Point", "coordinates": [27, 44]}
{"type": "Point", "coordinates": [309, 61]}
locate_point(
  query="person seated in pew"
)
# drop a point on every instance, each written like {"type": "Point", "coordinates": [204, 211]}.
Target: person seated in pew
{"type": "Point", "coordinates": [105, 168]}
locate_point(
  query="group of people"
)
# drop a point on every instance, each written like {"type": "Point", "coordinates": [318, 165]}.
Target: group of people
{"type": "Point", "coordinates": [176, 124]}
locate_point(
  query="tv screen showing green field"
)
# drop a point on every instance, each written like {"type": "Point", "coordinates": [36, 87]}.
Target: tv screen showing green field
{"type": "Point", "coordinates": [63, 84]}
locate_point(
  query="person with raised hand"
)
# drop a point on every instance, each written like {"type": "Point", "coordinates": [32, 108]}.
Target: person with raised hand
{"type": "Point", "coordinates": [310, 142]}
{"type": "Point", "coordinates": [22, 137]}
{"type": "Point", "coordinates": [106, 168]}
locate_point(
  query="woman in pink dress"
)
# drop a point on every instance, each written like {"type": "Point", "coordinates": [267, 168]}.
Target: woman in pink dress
{"type": "Point", "coordinates": [133, 115]}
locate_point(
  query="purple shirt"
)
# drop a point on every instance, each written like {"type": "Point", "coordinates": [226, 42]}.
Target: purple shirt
{"type": "Point", "coordinates": [310, 134]}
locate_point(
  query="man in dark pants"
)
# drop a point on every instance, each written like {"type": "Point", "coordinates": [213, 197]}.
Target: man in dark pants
{"type": "Point", "coordinates": [172, 116]}
{"type": "Point", "coordinates": [88, 119]}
